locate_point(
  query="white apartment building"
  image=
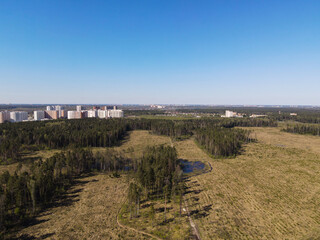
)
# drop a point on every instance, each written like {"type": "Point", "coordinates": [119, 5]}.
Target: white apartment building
{"type": "Point", "coordinates": [79, 108]}
{"type": "Point", "coordinates": [18, 116]}
{"type": "Point", "coordinates": [116, 113]}
{"type": "Point", "coordinates": [74, 114]}
{"type": "Point", "coordinates": [230, 114]}
{"type": "Point", "coordinates": [92, 113]}
{"type": "Point", "coordinates": [38, 115]}
{"type": "Point", "coordinates": [49, 108]}
{"type": "Point", "coordinates": [4, 116]}
{"type": "Point", "coordinates": [103, 113]}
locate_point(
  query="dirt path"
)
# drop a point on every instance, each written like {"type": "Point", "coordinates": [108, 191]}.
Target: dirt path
{"type": "Point", "coordinates": [133, 229]}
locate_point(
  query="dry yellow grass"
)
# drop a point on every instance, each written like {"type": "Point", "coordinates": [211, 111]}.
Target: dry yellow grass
{"type": "Point", "coordinates": [276, 137]}
{"type": "Point", "coordinates": [89, 212]}
{"type": "Point", "coordinates": [271, 191]}
{"type": "Point", "coordinates": [268, 192]}
{"type": "Point", "coordinates": [91, 208]}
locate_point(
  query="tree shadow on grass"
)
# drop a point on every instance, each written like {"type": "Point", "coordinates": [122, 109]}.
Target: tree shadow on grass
{"type": "Point", "coordinates": [204, 212]}
{"type": "Point", "coordinates": [66, 199]}
{"type": "Point", "coordinates": [29, 237]}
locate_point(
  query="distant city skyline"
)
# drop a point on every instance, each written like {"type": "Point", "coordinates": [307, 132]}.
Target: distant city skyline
{"type": "Point", "coordinates": [160, 52]}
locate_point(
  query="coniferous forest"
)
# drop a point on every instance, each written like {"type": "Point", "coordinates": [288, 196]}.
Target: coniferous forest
{"type": "Point", "coordinates": [158, 174]}
{"type": "Point", "coordinates": [312, 129]}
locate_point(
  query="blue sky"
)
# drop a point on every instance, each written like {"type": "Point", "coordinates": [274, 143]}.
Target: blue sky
{"type": "Point", "coordinates": [157, 51]}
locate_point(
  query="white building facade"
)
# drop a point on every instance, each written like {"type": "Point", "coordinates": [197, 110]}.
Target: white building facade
{"type": "Point", "coordinates": [18, 116]}
{"type": "Point", "coordinates": [4, 117]}
{"type": "Point", "coordinates": [38, 115]}
{"type": "Point", "coordinates": [116, 113]}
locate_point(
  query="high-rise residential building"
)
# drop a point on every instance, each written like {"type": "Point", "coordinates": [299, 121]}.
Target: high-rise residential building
{"type": "Point", "coordinates": [116, 113]}
{"type": "Point", "coordinates": [52, 114]}
{"type": "Point", "coordinates": [4, 117]}
{"type": "Point", "coordinates": [38, 115]}
{"type": "Point", "coordinates": [18, 116]}
{"type": "Point", "coordinates": [62, 114]}
{"type": "Point", "coordinates": [49, 108]}
{"type": "Point", "coordinates": [60, 111]}
{"type": "Point", "coordinates": [103, 113]}
{"type": "Point", "coordinates": [79, 108]}
{"type": "Point", "coordinates": [84, 114]}
{"type": "Point", "coordinates": [74, 114]}
{"type": "Point", "coordinates": [92, 113]}
{"type": "Point", "coordinates": [230, 114]}
{"type": "Point", "coordinates": [58, 108]}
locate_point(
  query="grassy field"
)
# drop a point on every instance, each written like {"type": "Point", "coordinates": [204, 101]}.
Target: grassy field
{"type": "Point", "coordinates": [90, 209]}
{"type": "Point", "coordinates": [271, 191]}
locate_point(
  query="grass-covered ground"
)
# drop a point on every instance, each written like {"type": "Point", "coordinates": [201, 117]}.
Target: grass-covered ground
{"type": "Point", "coordinates": [271, 191]}
{"type": "Point", "coordinates": [90, 208]}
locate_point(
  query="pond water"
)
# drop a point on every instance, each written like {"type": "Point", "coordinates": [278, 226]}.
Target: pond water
{"type": "Point", "coordinates": [190, 166]}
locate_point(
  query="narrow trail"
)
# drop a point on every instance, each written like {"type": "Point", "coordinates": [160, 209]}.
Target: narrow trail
{"type": "Point", "coordinates": [194, 227]}
{"type": "Point", "coordinates": [133, 229]}
{"type": "Point", "coordinates": [195, 231]}
{"type": "Point", "coordinates": [192, 224]}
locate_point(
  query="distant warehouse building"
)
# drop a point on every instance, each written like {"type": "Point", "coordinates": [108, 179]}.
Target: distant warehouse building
{"type": "Point", "coordinates": [38, 115]}
{"type": "Point", "coordinates": [4, 117]}
{"type": "Point", "coordinates": [18, 116]}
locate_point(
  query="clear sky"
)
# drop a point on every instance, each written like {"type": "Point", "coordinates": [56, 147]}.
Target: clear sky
{"type": "Point", "coordinates": [160, 51]}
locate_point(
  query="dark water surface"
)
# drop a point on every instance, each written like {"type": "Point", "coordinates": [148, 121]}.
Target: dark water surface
{"type": "Point", "coordinates": [190, 166]}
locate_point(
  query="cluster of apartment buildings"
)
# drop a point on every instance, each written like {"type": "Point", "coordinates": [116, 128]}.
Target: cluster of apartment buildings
{"type": "Point", "coordinates": [6, 116]}
{"type": "Point", "coordinates": [57, 112]}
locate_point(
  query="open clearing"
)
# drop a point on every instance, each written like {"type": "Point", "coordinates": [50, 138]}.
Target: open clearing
{"type": "Point", "coordinates": [268, 192]}
{"type": "Point", "coordinates": [271, 191]}
{"type": "Point", "coordinates": [90, 208]}
{"type": "Point", "coordinates": [89, 211]}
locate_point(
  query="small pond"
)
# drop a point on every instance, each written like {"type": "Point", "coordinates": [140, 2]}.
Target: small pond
{"type": "Point", "coordinates": [191, 166]}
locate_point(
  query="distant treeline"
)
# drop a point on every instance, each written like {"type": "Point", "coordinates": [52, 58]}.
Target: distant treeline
{"type": "Point", "coordinates": [313, 129]}
{"type": "Point", "coordinates": [16, 137]}
{"type": "Point", "coordinates": [305, 118]}
{"type": "Point", "coordinates": [23, 194]}
{"type": "Point", "coordinates": [158, 173]}
{"type": "Point", "coordinates": [63, 134]}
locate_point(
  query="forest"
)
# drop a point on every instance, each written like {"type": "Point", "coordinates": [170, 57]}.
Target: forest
{"type": "Point", "coordinates": [25, 193]}
{"type": "Point", "coordinates": [312, 129]}
{"type": "Point", "coordinates": [157, 175]}
{"type": "Point", "coordinates": [64, 134]}
{"type": "Point", "coordinates": [222, 142]}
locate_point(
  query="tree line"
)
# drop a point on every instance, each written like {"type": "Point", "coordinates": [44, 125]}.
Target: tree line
{"type": "Point", "coordinates": [313, 129]}
{"type": "Point", "coordinates": [24, 193]}
{"type": "Point", "coordinates": [222, 142]}
{"type": "Point", "coordinates": [63, 134]}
